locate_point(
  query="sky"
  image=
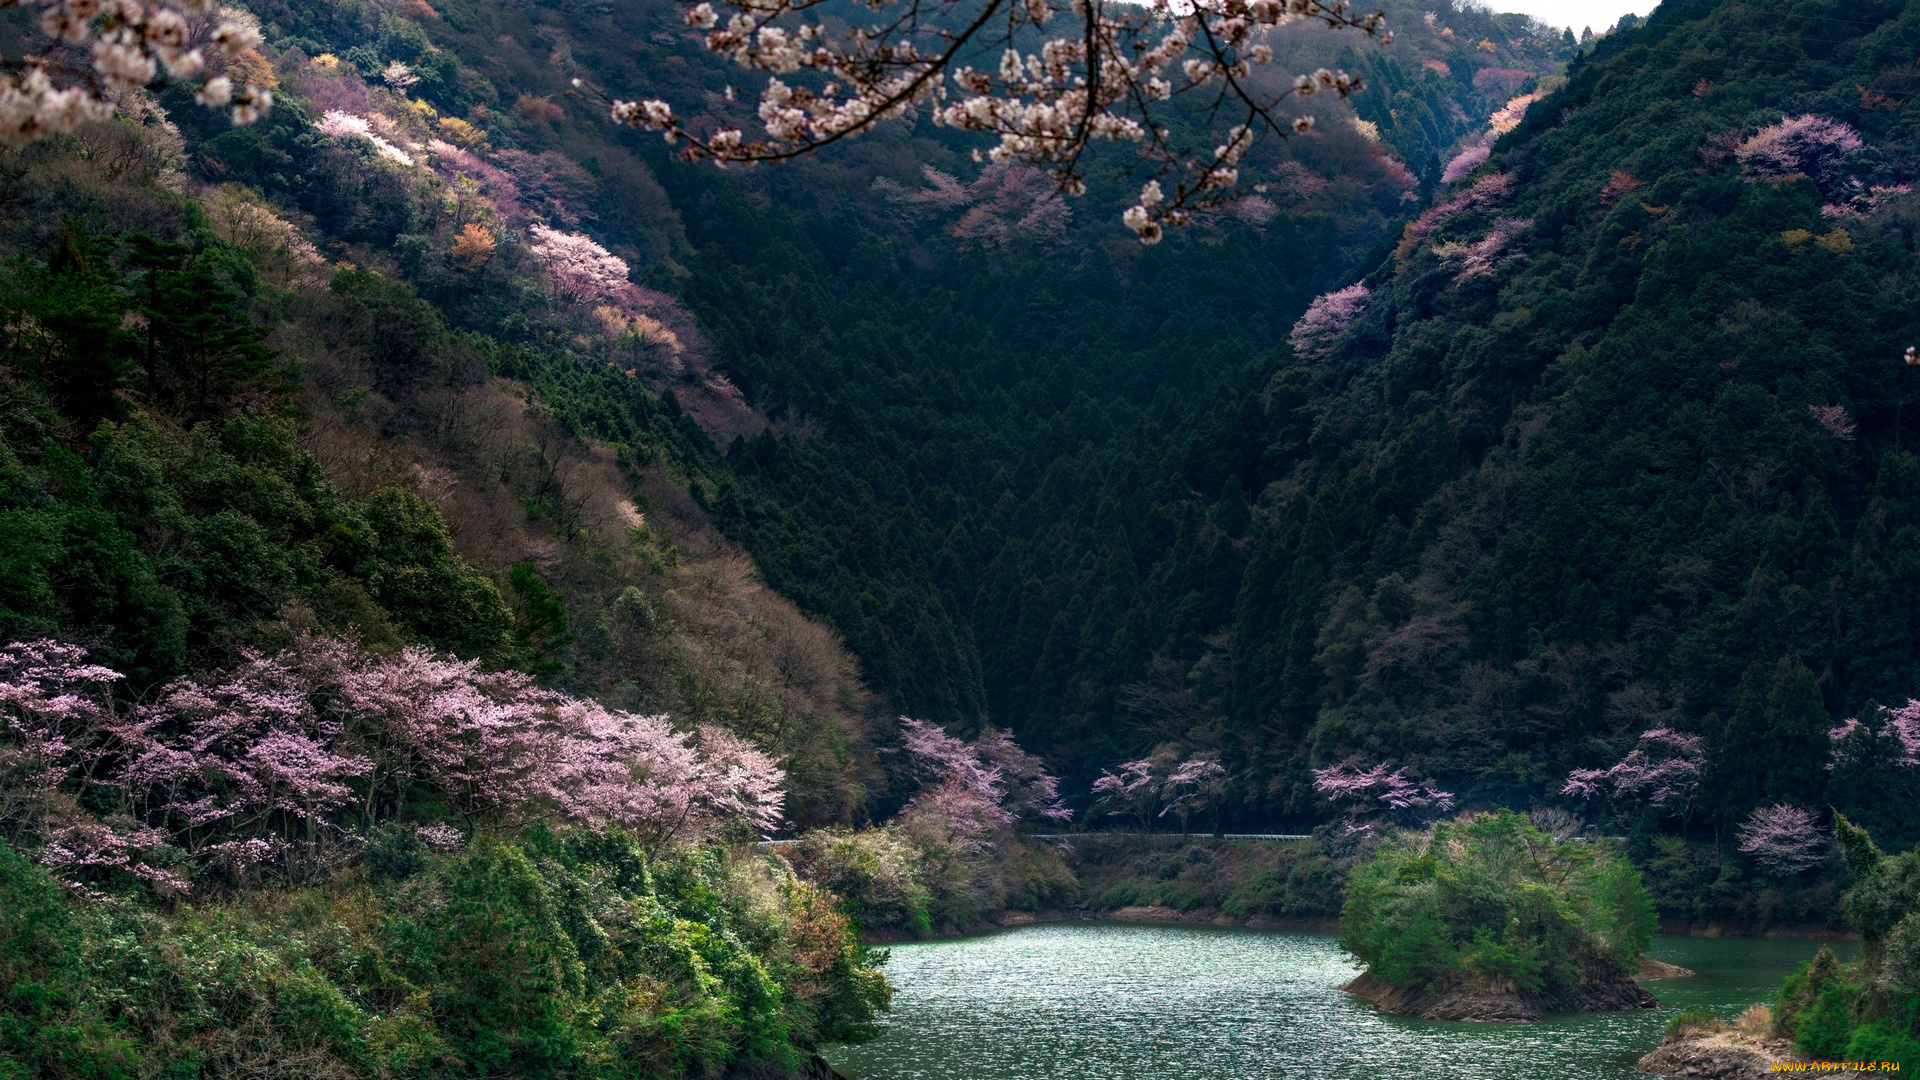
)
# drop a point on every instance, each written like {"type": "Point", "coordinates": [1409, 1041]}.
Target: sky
{"type": "Point", "coordinates": [1578, 14]}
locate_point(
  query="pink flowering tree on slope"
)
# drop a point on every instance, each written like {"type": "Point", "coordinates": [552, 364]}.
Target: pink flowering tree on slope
{"type": "Point", "coordinates": [1463, 164]}
{"type": "Point", "coordinates": [1368, 794]}
{"type": "Point", "coordinates": [96, 51]}
{"type": "Point", "coordinates": [1810, 146]}
{"type": "Point", "coordinates": [1326, 320]}
{"type": "Point", "coordinates": [56, 708]}
{"type": "Point", "coordinates": [1485, 194]}
{"type": "Point", "coordinates": [1005, 204]}
{"type": "Point", "coordinates": [287, 759]}
{"type": "Point", "coordinates": [1878, 751]}
{"type": "Point", "coordinates": [1154, 788]}
{"type": "Point", "coordinates": [1048, 91]}
{"type": "Point", "coordinates": [1787, 840]}
{"type": "Point", "coordinates": [1661, 771]}
{"type": "Point", "coordinates": [582, 270]}
{"type": "Point", "coordinates": [1887, 735]}
{"type": "Point", "coordinates": [972, 790]}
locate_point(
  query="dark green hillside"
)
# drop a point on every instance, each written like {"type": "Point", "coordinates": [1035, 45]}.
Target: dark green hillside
{"type": "Point", "coordinates": [1013, 489]}
{"type": "Point", "coordinates": [1529, 509]}
{"type": "Point", "coordinates": [996, 468]}
{"type": "Point", "coordinates": [1619, 441]}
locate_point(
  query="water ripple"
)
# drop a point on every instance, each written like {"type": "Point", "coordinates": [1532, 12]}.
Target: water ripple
{"type": "Point", "coordinates": [1106, 1001]}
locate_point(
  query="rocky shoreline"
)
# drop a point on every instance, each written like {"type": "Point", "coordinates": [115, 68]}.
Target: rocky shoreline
{"type": "Point", "coordinates": [1136, 913]}
{"type": "Point", "coordinates": [1513, 1006]}
{"type": "Point", "coordinates": [1722, 1055]}
{"type": "Point", "coordinates": [1652, 970]}
{"type": "Point", "coordinates": [1155, 913]}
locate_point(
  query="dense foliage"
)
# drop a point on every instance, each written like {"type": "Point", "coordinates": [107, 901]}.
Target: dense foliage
{"type": "Point", "coordinates": [951, 858]}
{"type": "Point", "coordinates": [577, 956]}
{"type": "Point", "coordinates": [1488, 902]}
{"type": "Point", "coordinates": [979, 406]}
{"type": "Point", "coordinates": [1575, 464]}
{"type": "Point", "coordinates": [1597, 446]}
{"type": "Point", "coordinates": [168, 530]}
{"type": "Point", "coordinates": [281, 787]}
{"type": "Point", "coordinates": [1867, 1010]}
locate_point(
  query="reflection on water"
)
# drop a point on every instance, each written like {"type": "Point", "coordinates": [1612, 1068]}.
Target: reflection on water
{"type": "Point", "coordinates": [1106, 1001]}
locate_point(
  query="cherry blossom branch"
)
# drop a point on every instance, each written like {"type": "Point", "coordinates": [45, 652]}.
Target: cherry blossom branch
{"type": "Point", "coordinates": [127, 45]}
{"type": "Point", "coordinates": [1047, 106]}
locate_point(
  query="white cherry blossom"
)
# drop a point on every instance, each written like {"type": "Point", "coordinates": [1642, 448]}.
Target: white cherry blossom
{"type": "Point", "coordinates": [1042, 101]}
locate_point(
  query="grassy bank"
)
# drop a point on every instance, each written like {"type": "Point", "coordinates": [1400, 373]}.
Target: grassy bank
{"type": "Point", "coordinates": [1244, 880]}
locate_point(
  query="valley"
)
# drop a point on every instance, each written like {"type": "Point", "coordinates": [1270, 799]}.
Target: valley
{"type": "Point", "coordinates": [578, 539]}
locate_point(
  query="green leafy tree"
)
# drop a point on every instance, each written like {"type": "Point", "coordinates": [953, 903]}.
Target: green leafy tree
{"type": "Point", "coordinates": [1488, 902]}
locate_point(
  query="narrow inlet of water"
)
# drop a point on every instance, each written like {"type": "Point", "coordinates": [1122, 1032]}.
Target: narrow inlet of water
{"type": "Point", "coordinates": [1113, 1001]}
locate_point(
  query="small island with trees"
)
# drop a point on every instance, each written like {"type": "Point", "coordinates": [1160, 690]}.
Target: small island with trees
{"type": "Point", "coordinates": [1487, 918]}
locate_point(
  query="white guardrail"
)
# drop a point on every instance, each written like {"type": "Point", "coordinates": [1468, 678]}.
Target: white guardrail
{"type": "Point", "coordinates": [1085, 835]}
{"type": "Point", "coordinates": [1207, 835]}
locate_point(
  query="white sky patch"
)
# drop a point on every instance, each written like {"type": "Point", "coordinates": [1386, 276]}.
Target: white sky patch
{"type": "Point", "coordinates": [1578, 14]}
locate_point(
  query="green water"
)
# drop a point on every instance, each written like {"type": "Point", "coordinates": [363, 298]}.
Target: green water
{"type": "Point", "coordinates": [1108, 1001]}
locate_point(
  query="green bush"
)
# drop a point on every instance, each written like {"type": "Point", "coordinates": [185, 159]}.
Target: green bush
{"type": "Point", "coordinates": [506, 978]}
{"type": "Point", "coordinates": [574, 956]}
{"type": "Point", "coordinates": [49, 1027]}
{"type": "Point", "coordinates": [875, 872]}
{"type": "Point", "coordinates": [1692, 1021]}
{"type": "Point", "coordinates": [1869, 1009]}
{"type": "Point", "coordinates": [1884, 1040]}
{"type": "Point", "coordinates": [1489, 902]}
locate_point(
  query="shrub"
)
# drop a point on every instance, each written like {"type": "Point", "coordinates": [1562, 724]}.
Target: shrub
{"type": "Point", "coordinates": [1883, 1040]}
{"type": "Point", "coordinates": [1489, 902]}
{"type": "Point", "coordinates": [548, 955]}
{"type": "Point", "coordinates": [46, 1026]}
{"type": "Point", "coordinates": [1689, 1022]}
{"type": "Point", "coordinates": [507, 977]}
{"type": "Point", "coordinates": [874, 871]}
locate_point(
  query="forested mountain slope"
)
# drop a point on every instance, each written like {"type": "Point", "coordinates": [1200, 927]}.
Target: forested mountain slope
{"type": "Point", "coordinates": [947, 384]}
{"type": "Point", "coordinates": [1619, 441]}
{"type": "Point", "coordinates": [997, 488]}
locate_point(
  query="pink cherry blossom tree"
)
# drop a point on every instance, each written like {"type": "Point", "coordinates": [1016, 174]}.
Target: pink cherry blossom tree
{"type": "Point", "coordinates": [1326, 320]}
{"type": "Point", "coordinates": [1787, 840]}
{"type": "Point", "coordinates": [1133, 791]}
{"type": "Point", "coordinates": [1045, 94]}
{"type": "Point", "coordinates": [280, 762]}
{"type": "Point", "coordinates": [581, 269]}
{"type": "Point", "coordinates": [239, 770]}
{"type": "Point", "coordinates": [1463, 163]}
{"type": "Point", "coordinates": [54, 711]}
{"type": "Point", "coordinates": [1194, 787]}
{"type": "Point", "coordinates": [971, 790]}
{"type": "Point", "coordinates": [1812, 146]}
{"type": "Point", "coordinates": [1162, 785]}
{"type": "Point", "coordinates": [503, 752]}
{"type": "Point", "coordinates": [1028, 791]}
{"type": "Point", "coordinates": [1662, 771]}
{"type": "Point", "coordinates": [1375, 792]}
{"type": "Point", "coordinates": [1480, 258]}
{"type": "Point", "coordinates": [1487, 193]}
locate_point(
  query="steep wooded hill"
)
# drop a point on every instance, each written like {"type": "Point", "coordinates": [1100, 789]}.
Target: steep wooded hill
{"type": "Point", "coordinates": [971, 426]}
{"type": "Point", "coordinates": [1619, 440]}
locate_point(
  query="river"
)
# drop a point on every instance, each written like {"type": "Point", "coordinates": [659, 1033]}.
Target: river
{"type": "Point", "coordinates": [1116, 1001]}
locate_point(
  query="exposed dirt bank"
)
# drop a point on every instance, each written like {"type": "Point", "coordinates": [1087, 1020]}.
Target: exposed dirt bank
{"type": "Point", "coordinates": [1652, 970]}
{"type": "Point", "coordinates": [1723, 1055]}
{"type": "Point", "coordinates": [1501, 1007]}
